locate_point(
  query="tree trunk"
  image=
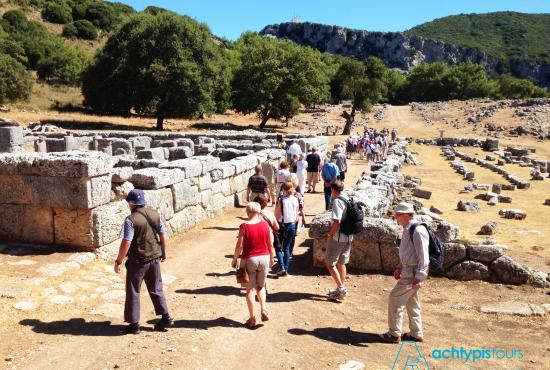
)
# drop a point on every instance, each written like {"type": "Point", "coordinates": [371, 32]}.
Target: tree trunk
{"type": "Point", "coordinates": [160, 121]}
{"type": "Point", "coordinates": [350, 117]}
{"type": "Point", "coordinates": [264, 122]}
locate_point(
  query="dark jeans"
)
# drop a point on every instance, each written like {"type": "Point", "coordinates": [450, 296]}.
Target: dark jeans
{"type": "Point", "coordinates": [283, 257]}
{"type": "Point", "coordinates": [135, 274]}
{"type": "Point", "coordinates": [328, 193]}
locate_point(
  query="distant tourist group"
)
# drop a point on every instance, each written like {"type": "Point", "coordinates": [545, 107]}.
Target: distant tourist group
{"type": "Point", "coordinates": [266, 241]}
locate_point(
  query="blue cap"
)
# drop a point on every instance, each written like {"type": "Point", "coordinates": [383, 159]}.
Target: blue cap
{"type": "Point", "coordinates": [136, 197]}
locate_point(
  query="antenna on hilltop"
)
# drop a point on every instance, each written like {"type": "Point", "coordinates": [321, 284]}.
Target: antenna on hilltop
{"type": "Point", "coordinates": [296, 19]}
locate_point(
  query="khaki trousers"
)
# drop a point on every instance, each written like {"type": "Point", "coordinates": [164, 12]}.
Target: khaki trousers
{"type": "Point", "coordinates": [402, 297]}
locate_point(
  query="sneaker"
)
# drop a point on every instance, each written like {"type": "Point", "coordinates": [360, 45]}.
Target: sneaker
{"type": "Point", "coordinates": [388, 338]}
{"type": "Point", "coordinates": [132, 328]}
{"type": "Point", "coordinates": [338, 294]}
{"type": "Point", "coordinates": [281, 273]}
{"type": "Point", "coordinates": [164, 323]}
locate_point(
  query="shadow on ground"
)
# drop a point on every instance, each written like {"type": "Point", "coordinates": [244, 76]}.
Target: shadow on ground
{"type": "Point", "coordinates": [75, 326]}
{"type": "Point", "coordinates": [214, 290]}
{"type": "Point", "coordinates": [220, 322]}
{"type": "Point", "coordinates": [95, 125]}
{"type": "Point", "coordinates": [340, 335]}
{"type": "Point", "coordinates": [31, 250]}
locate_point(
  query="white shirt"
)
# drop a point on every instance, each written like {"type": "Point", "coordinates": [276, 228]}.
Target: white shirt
{"type": "Point", "coordinates": [282, 176]}
{"type": "Point", "coordinates": [301, 167]}
{"type": "Point", "coordinates": [414, 255]}
{"type": "Point", "coordinates": [339, 211]}
{"type": "Point", "coordinates": [290, 208]}
{"type": "Point", "coordinates": [294, 149]}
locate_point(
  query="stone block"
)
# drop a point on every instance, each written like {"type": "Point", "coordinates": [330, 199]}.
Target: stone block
{"type": "Point", "coordinates": [26, 224]}
{"type": "Point", "coordinates": [486, 253]}
{"type": "Point", "coordinates": [162, 201]}
{"type": "Point", "coordinates": [205, 182]}
{"type": "Point", "coordinates": [453, 253]}
{"type": "Point", "coordinates": [425, 194]}
{"type": "Point", "coordinates": [507, 271]}
{"type": "Point", "coordinates": [63, 192]}
{"type": "Point", "coordinates": [158, 154]}
{"type": "Point", "coordinates": [179, 153]}
{"type": "Point", "coordinates": [11, 138]}
{"type": "Point", "coordinates": [156, 178]}
{"type": "Point", "coordinates": [468, 270]}
{"type": "Point", "coordinates": [185, 195]}
{"type": "Point", "coordinates": [189, 166]}
{"type": "Point", "coordinates": [89, 229]}
{"type": "Point", "coordinates": [72, 164]}
{"type": "Point", "coordinates": [121, 191]}
{"type": "Point", "coordinates": [187, 218]}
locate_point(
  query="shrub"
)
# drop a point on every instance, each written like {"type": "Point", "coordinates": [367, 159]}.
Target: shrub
{"type": "Point", "coordinates": [86, 29]}
{"type": "Point", "coordinates": [57, 13]}
{"type": "Point", "coordinates": [70, 31]}
{"type": "Point", "coordinates": [15, 80]}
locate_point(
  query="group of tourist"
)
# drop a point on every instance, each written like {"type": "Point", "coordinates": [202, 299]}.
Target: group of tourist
{"type": "Point", "coordinates": [268, 236]}
{"type": "Point", "coordinates": [372, 145]}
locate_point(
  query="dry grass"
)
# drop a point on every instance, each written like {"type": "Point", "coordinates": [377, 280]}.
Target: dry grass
{"type": "Point", "coordinates": [527, 239]}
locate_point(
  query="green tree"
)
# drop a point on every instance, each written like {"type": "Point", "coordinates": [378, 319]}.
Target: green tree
{"type": "Point", "coordinates": [70, 31]}
{"type": "Point", "coordinates": [467, 81]}
{"type": "Point", "coordinates": [362, 82]}
{"type": "Point", "coordinates": [275, 77]}
{"type": "Point", "coordinates": [64, 66]}
{"type": "Point", "coordinates": [85, 29]}
{"type": "Point", "coordinates": [57, 13]}
{"type": "Point", "coordinates": [425, 83]}
{"type": "Point", "coordinates": [165, 65]}
{"type": "Point", "coordinates": [15, 81]}
{"type": "Point", "coordinates": [396, 81]}
{"type": "Point", "coordinates": [515, 88]}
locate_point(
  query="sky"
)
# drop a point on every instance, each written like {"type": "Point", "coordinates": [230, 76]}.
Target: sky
{"type": "Point", "coordinates": [230, 18]}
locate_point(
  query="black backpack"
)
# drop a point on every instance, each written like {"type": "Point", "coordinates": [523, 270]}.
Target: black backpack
{"type": "Point", "coordinates": [353, 222]}
{"type": "Point", "coordinates": [435, 247]}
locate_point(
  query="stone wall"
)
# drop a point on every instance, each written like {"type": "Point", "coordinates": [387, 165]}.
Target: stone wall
{"type": "Point", "coordinates": [375, 248]}
{"type": "Point", "coordinates": [76, 199]}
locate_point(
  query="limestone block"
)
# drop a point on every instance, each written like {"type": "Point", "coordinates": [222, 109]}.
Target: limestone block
{"type": "Point", "coordinates": [26, 224]}
{"type": "Point", "coordinates": [453, 253]}
{"type": "Point", "coordinates": [89, 229]}
{"type": "Point", "coordinates": [65, 192]}
{"type": "Point", "coordinates": [217, 204]}
{"type": "Point", "coordinates": [205, 182]}
{"type": "Point", "coordinates": [162, 201]}
{"type": "Point", "coordinates": [486, 253]}
{"type": "Point", "coordinates": [140, 142]}
{"type": "Point", "coordinates": [121, 191]}
{"type": "Point", "coordinates": [208, 163]}
{"type": "Point", "coordinates": [187, 218]}
{"type": "Point", "coordinates": [72, 164]}
{"type": "Point", "coordinates": [184, 195]}
{"type": "Point", "coordinates": [468, 270]}
{"type": "Point", "coordinates": [156, 178]}
{"type": "Point", "coordinates": [180, 153]}
{"type": "Point", "coordinates": [216, 187]}
{"type": "Point", "coordinates": [225, 187]}
{"type": "Point", "coordinates": [158, 154]}
{"type": "Point", "coordinates": [206, 195]}
{"type": "Point", "coordinates": [237, 184]}
{"type": "Point", "coordinates": [189, 166]}
{"type": "Point", "coordinates": [507, 271]}
{"type": "Point", "coordinates": [227, 170]}
{"type": "Point", "coordinates": [121, 174]}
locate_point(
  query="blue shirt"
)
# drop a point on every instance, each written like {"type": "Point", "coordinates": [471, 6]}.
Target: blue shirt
{"type": "Point", "coordinates": [330, 171]}
{"type": "Point", "coordinates": [127, 232]}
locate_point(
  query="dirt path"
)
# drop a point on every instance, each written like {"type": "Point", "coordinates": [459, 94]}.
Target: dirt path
{"type": "Point", "coordinates": [305, 331]}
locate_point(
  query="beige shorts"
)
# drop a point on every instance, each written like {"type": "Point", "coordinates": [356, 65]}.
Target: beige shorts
{"type": "Point", "coordinates": [257, 268]}
{"type": "Point", "coordinates": [338, 252]}
{"type": "Point", "coordinates": [254, 195]}
{"type": "Point", "coordinates": [313, 177]}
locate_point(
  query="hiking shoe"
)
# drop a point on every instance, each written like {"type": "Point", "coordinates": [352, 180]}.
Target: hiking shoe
{"type": "Point", "coordinates": [338, 294]}
{"type": "Point", "coordinates": [409, 337]}
{"type": "Point", "coordinates": [164, 323]}
{"type": "Point", "coordinates": [388, 338]}
{"type": "Point", "coordinates": [132, 328]}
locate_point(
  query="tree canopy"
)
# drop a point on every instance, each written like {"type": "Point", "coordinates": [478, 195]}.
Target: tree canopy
{"type": "Point", "coordinates": [164, 65]}
{"type": "Point", "coordinates": [275, 77]}
{"type": "Point", "coordinates": [15, 81]}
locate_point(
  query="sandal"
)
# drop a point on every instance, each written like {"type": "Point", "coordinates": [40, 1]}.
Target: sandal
{"type": "Point", "coordinates": [265, 317]}
{"type": "Point", "coordinates": [250, 323]}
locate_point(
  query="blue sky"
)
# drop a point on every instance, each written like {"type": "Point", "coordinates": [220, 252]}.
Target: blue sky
{"type": "Point", "coordinates": [229, 18]}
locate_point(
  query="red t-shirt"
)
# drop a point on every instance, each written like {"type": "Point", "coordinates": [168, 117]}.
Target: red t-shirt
{"type": "Point", "coordinates": [255, 239]}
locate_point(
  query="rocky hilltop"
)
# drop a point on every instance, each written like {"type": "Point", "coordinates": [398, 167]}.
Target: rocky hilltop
{"type": "Point", "coordinates": [398, 49]}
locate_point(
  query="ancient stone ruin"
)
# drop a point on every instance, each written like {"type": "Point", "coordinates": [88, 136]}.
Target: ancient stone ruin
{"type": "Point", "coordinates": [71, 191]}
{"type": "Point", "coordinates": [375, 248]}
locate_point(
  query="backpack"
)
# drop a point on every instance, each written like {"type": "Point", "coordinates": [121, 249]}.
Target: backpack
{"type": "Point", "coordinates": [353, 222]}
{"type": "Point", "coordinates": [435, 248]}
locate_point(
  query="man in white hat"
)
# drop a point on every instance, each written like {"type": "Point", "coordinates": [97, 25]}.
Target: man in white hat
{"type": "Point", "coordinates": [412, 270]}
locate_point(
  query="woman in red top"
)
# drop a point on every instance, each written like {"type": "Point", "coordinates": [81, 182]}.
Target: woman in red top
{"type": "Point", "coordinates": [255, 247]}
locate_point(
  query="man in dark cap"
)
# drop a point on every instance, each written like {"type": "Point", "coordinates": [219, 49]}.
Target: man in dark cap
{"type": "Point", "coordinates": [144, 242]}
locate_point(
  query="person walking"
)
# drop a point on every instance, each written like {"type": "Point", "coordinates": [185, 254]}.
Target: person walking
{"type": "Point", "coordinates": [255, 248]}
{"type": "Point", "coordinates": [257, 184]}
{"type": "Point", "coordinates": [301, 172]}
{"type": "Point", "coordinates": [281, 177]}
{"type": "Point", "coordinates": [414, 261]}
{"type": "Point", "coordinates": [338, 244]}
{"type": "Point", "coordinates": [330, 174]}
{"type": "Point", "coordinates": [293, 149]}
{"type": "Point", "coordinates": [145, 253]}
{"type": "Point", "coordinates": [269, 168]}
{"type": "Point", "coordinates": [286, 212]}
{"type": "Point", "coordinates": [340, 161]}
{"type": "Point", "coordinates": [313, 169]}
